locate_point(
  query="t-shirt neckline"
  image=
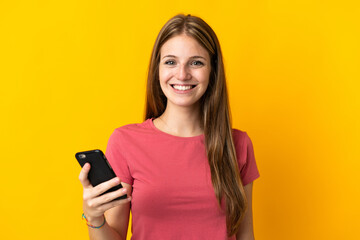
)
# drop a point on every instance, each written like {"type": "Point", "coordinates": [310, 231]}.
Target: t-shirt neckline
{"type": "Point", "coordinates": [151, 124]}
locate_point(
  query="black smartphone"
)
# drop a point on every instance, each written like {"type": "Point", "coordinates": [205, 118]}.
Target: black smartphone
{"type": "Point", "coordinates": [100, 170]}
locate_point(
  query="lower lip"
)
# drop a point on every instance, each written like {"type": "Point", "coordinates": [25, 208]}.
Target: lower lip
{"type": "Point", "coordinates": [183, 91]}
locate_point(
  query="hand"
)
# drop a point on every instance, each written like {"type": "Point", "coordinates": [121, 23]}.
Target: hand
{"type": "Point", "coordinates": [95, 205]}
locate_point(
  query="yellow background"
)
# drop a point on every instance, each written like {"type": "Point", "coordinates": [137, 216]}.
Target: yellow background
{"type": "Point", "coordinates": [72, 71]}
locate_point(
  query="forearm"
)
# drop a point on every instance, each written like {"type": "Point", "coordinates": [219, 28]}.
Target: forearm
{"type": "Point", "coordinates": [96, 205]}
{"type": "Point", "coordinates": [104, 233]}
{"type": "Point", "coordinates": [246, 229]}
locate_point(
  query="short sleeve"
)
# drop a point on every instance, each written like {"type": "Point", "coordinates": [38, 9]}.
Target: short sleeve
{"type": "Point", "coordinates": [117, 157]}
{"type": "Point", "coordinates": [246, 158]}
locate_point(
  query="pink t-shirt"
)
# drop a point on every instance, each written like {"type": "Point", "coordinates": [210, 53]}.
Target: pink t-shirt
{"type": "Point", "coordinates": [173, 197]}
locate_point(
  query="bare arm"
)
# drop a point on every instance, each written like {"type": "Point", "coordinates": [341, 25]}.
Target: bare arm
{"type": "Point", "coordinates": [246, 230]}
{"type": "Point", "coordinates": [94, 206]}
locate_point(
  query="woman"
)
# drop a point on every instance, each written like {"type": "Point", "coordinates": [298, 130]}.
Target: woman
{"type": "Point", "coordinates": [187, 173]}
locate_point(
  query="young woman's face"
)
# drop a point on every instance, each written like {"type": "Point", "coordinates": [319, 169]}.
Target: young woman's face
{"type": "Point", "coordinates": [184, 70]}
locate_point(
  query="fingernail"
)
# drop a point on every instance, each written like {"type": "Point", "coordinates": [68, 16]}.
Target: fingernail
{"type": "Point", "coordinates": [124, 190]}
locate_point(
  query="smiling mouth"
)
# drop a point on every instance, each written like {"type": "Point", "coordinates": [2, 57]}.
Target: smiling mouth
{"type": "Point", "coordinates": [182, 87]}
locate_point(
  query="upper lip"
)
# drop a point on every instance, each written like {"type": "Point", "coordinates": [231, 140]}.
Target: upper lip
{"type": "Point", "coordinates": [181, 84]}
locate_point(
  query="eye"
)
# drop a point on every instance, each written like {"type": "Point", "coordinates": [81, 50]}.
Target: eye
{"type": "Point", "coordinates": [170, 62]}
{"type": "Point", "coordinates": [197, 63]}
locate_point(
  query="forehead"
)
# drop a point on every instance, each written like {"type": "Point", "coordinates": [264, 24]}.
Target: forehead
{"type": "Point", "coordinates": [183, 46]}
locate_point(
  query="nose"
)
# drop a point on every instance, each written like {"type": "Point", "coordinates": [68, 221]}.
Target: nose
{"type": "Point", "coordinates": [183, 73]}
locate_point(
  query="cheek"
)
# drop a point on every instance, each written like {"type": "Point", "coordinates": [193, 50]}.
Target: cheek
{"type": "Point", "coordinates": [164, 74]}
{"type": "Point", "coordinates": [203, 76]}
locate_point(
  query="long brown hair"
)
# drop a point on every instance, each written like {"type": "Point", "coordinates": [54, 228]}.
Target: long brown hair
{"type": "Point", "coordinates": [215, 114]}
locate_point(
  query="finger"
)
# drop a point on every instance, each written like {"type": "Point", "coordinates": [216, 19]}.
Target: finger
{"type": "Point", "coordinates": [103, 187]}
{"type": "Point", "coordinates": [83, 176]}
{"type": "Point", "coordinates": [115, 203]}
{"type": "Point", "coordinates": [96, 202]}
{"type": "Point", "coordinates": [108, 197]}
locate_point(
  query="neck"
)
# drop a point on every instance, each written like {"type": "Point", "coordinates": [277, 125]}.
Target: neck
{"type": "Point", "coordinates": [180, 121]}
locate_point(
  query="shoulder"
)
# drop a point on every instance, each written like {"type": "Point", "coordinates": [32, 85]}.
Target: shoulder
{"type": "Point", "coordinates": [245, 156]}
{"type": "Point", "coordinates": [240, 137]}
{"type": "Point", "coordinates": [132, 131]}
{"type": "Point", "coordinates": [242, 141]}
{"type": "Point", "coordinates": [134, 127]}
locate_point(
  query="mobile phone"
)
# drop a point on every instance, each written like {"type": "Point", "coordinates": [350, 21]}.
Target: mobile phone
{"type": "Point", "coordinates": [100, 171]}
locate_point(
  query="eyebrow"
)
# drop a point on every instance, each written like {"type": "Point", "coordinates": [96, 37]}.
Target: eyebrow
{"type": "Point", "coordinates": [173, 56]}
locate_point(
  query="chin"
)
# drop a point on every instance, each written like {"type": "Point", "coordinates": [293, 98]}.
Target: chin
{"type": "Point", "coordinates": [183, 103]}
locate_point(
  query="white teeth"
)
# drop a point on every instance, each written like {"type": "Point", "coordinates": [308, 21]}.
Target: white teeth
{"type": "Point", "coordinates": [182, 88]}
